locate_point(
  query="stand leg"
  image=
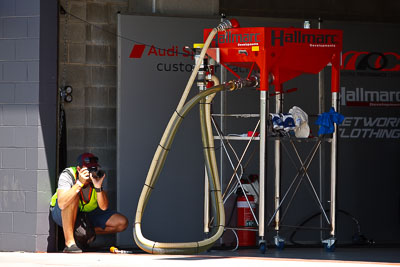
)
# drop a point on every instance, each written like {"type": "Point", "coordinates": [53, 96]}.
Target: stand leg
{"type": "Point", "coordinates": [279, 242]}
{"type": "Point", "coordinates": [261, 214]}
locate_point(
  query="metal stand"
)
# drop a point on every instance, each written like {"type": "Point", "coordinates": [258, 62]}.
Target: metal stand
{"type": "Point", "coordinates": [302, 173]}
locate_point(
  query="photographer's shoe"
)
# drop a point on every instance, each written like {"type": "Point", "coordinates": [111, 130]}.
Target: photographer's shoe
{"type": "Point", "coordinates": [72, 249]}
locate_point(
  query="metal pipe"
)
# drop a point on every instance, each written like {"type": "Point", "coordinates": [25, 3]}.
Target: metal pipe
{"type": "Point", "coordinates": [222, 122]}
{"type": "Point", "coordinates": [321, 109]}
{"type": "Point", "coordinates": [263, 133]}
{"type": "Point", "coordinates": [222, 119]}
{"type": "Point", "coordinates": [335, 89]}
{"type": "Point", "coordinates": [333, 169]}
{"type": "Point", "coordinates": [278, 109]}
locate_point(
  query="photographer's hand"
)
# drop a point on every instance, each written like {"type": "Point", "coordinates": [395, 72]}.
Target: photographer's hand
{"type": "Point", "coordinates": [97, 182]}
{"type": "Point", "coordinates": [102, 199]}
{"type": "Point", "coordinates": [83, 175]}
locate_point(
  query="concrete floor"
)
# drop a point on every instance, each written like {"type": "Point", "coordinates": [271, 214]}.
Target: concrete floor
{"type": "Point", "coordinates": [289, 257]}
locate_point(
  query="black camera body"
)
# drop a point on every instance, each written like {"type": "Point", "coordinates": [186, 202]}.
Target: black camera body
{"type": "Point", "coordinates": [96, 173]}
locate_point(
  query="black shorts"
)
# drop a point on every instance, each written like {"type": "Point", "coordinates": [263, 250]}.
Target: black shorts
{"type": "Point", "coordinates": [98, 217]}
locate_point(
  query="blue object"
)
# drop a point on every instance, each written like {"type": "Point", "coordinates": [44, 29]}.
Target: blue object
{"type": "Point", "coordinates": [326, 121]}
{"type": "Point", "coordinates": [288, 122]}
{"type": "Point", "coordinates": [277, 121]}
{"type": "Point", "coordinates": [280, 245]}
{"type": "Point", "coordinates": [263, 248]}
{"type": "Point", "coordinates": [283, 121]}
{"type": "Point", "coordinates": [330, 248]}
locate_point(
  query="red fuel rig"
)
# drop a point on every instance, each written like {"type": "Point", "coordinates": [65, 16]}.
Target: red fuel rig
{"type": "Point", "coordinates": [275, 56]}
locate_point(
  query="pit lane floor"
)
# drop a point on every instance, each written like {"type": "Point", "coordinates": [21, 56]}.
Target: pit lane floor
{"type": "Point", "coordinates": [289, 257]}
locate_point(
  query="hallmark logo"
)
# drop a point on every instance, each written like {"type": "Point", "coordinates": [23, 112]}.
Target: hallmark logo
{"type": "Point", "coordinates": [369, 98]}
{"type": "Point", "coordinates": [315, 40]}
{"type": "Point", "coordinates": [243, 39]}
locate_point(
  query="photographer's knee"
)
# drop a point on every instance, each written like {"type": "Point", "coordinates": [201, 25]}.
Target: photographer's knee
{"type": "Point", "coordinates": [122, 223]}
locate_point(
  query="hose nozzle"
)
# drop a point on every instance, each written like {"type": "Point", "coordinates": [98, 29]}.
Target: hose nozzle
{"type": "Point", "coordinates": [119, 251]}
{"type": "Point", "coordinates": [227, 24]}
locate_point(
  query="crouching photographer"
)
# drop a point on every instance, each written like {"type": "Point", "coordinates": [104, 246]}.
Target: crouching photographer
{"type": "Point", "coordinates": [80, 205]}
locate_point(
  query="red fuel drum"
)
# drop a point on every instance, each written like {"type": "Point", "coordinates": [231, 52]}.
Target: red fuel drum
{"type": "Point", "coordinates": [246, 220]}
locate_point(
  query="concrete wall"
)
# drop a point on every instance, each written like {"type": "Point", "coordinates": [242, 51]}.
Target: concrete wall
{"type": "Point", "coordinates": [27, 143]}
{"type": "Point", "coordinates": [356, 10]}
{"type": "Point", "coordinates": [180, 8]}
{"type": "Point", "coordinates": [87, 62]}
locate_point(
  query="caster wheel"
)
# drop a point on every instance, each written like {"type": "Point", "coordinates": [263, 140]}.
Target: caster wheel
{"type": "Point", "coordinates": [330, 248]}
{"type": "Point", "coordinates": [280, 245]}
{"type": "Point", "coordinates": [263, 248]}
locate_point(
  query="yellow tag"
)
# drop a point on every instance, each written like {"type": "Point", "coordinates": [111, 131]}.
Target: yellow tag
{"type": "Point", "coordinates": [255, 48]}
{"type": "Point", "coordinates": [198, 45]}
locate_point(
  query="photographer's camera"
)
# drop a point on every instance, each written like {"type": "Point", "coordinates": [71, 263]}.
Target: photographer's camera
{"type": "Point", "coordinates": [96, 173]}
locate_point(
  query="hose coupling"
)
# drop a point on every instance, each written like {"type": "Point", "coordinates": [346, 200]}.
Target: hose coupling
{"type": "Point", "coordinates": [227, 24]}
{"type": "Point", "coordinates": [252, 81]}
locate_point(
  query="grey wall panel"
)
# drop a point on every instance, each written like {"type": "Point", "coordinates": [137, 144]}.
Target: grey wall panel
{"type": "Point", "coordinates": [370, 136]}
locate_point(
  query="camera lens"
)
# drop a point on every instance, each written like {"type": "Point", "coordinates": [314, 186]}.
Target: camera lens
{"type": "Point", "coordinates": [100, 173]}
{"type": "Point", "coordinates": [96, 173]}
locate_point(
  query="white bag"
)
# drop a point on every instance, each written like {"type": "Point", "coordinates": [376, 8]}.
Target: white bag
{"type": "Point", "coordinates": [302, 129]}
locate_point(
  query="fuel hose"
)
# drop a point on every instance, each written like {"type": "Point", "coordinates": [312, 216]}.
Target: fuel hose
{"type": "Point", "coordinates": [210, 162]}
{"type": "Point", "coordinates": [155, 170]}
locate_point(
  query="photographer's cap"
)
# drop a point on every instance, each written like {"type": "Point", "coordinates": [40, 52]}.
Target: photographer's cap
{"type": "Point", "coordinates": [88, 160]}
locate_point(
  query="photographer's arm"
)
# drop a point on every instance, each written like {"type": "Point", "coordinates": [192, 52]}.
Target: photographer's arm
{"type": "Point", "coordinates": [102, 199]}
{"type": "Point", "coordinates": [67, 196]}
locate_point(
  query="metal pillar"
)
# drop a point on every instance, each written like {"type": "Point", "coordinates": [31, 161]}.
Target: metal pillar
{"type": "Point", "coordinates": [263, 133]}
{"type": "Point", "coordinates": [277, 158]}
{"type": "Point", "coordinates": [333, 170]}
